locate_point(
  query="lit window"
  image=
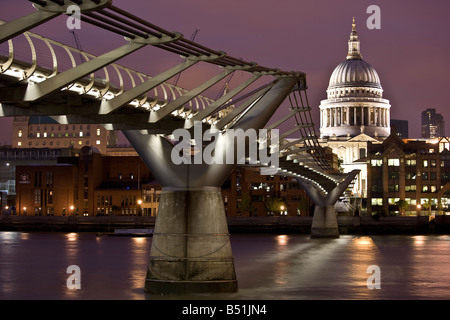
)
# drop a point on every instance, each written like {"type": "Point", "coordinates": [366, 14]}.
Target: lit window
{"type": "Point", "coordinates": [98, 132]}
{"type": "Point", "coordinates": [376, 162]}
{"type": "Point", "coordinates": [38, 135]}
{"type": "Point", "coordinates": [19, 143]}
{"type": "Point", "coordinates": [81, 133]}
{"type": "Point", "coordinates": [393, 200]}
{"type": "Point", "coordinates": [377, 201]}
{"type": "Point", "coordinates": [20, 134]}
{"type": "Point", "coordinates": [394, 162]}
{"type": "Point", "coordinates": [45, 134]}
{"type": "Point", "coordinates": [425, 163]}
{"type": "Point", "coordinates": [97, 142]}
{"type": "Point", "coordinates": [80, 142]}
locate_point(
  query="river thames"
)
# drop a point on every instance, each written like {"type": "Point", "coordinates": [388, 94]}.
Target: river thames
{"type": "Point", "coordinates": [269, 267]}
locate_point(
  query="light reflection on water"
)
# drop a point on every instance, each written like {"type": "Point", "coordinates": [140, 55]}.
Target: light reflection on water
{"type": "Point", "coordinates": [273, 267]}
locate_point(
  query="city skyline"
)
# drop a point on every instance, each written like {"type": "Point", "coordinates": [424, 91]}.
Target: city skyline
{"type": "Point", "coordinates": [310, 37]}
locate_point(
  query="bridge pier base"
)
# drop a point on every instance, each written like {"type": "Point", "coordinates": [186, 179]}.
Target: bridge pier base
{"type": "Point", "coordinates": [191, 250]}
{"type": "Point", "coordinates": [324, 223]}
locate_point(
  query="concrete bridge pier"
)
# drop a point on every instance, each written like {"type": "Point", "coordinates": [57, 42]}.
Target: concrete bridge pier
{"type": "Point", "coordinates": [191, 250]}
{"type": "Point", "coordinates": [324, 224]}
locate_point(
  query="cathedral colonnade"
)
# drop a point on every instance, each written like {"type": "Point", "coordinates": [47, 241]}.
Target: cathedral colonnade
{"type": "Point", "coordinates": [354, 116]}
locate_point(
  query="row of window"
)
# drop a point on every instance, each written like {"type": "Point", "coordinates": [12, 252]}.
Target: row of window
{"type": "Point", "coordinates": [106, 201]}
{"type": "Point", "coordinates": [412, 187]}
{"type": "Point", "coordinates": [413, 175]}
{"type": "Point", "coordinates": [58, 135]}
{"type": "Point", "coordinates": [426, 163]}
{"type": "Point", "coordinates": [410, 201]}
{"type": "Point", "coordinates": [98, 131]}
{"type": "Point", "coordinates": [58, 143]}
{"type": "Point", "coordinates": [379, 201]}
{"type": "Point", "coordinates": [408, 188]}
{"type": "Point", "coordinates": [338, 93]}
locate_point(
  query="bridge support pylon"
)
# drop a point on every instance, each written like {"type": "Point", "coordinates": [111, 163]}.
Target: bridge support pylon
{"type": "Point", "coordinates": [324, 224]}
{"type": "Point", "coordinates": [191, 250]}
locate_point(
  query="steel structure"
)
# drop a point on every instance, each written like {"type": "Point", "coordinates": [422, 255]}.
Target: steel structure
{"type": "Point", "coordinates": [190, 249]}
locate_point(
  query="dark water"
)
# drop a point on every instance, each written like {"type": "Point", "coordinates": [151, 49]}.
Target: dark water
{"type": "Point", "coordinates": [270, 267]}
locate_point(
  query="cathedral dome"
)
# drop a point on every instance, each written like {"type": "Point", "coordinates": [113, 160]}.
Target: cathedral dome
{"type": "Point", "coordinates": [354, 73]}
{"type": "Point", "coordinates": [354, 103]}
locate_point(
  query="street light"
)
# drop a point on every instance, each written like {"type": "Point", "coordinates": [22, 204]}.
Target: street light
{"type": "Point", "coordinates": [139, 203]}
{"type": "Point", "coordinates": [419, 206]}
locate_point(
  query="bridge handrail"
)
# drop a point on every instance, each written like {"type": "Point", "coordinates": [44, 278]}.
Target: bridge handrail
{"type": "Point", "coordinates": [105, 88]}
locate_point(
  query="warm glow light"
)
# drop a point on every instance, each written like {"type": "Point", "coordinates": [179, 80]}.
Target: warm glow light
{"type": "Point", "coordinates": [139, 202]}
{"type": "Point", "coordinates": [72, 236]}
{"type": "Point", "coordinates": [71, 207]}
{"type": "Point", "coordinates": [282, 240]}
{"type": "Point", "coordinates": [282, 208]}
{"type": "Point", "coordinates": [363, 241]}
{"type": "Point", "coordinates": [419, 240]}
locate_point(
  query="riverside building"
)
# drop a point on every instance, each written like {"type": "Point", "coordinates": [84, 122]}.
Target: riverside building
{"type": "Point", "coordinates": [414, 171]}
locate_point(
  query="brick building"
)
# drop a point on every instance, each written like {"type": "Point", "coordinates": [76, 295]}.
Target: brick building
{"type": "Point", "coordinates": [90, 183]}
{"type": "Point", "coordinates": [86, 184]}
{"type": "Point", "coordinates": [246, 184]}
{"type": "Point", "coordinates": [417, 171]}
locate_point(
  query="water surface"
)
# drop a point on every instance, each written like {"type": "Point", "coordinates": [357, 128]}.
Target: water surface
{"type": "Point", "coordinates": [271, 267]}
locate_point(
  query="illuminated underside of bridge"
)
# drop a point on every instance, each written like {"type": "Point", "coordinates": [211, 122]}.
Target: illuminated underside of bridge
{"type": "Point", "coordinates": [190, 249]}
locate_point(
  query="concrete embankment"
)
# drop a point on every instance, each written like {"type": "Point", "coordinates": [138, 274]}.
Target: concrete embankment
{"type": "Point", "coordinates": [299, 225]}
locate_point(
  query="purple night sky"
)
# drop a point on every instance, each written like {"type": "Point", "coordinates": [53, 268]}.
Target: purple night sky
{"type": "Point", "coordinates": [410, 52]}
